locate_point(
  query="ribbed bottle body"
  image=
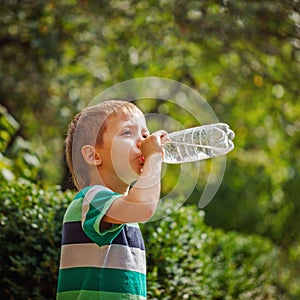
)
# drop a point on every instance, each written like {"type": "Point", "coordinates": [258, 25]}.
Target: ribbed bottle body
{"type": "Point", "coordinates": [198, 143]}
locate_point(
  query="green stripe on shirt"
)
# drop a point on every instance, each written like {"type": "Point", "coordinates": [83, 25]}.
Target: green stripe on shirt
{"type": "Point", "coordinates": [103, 280]}
{"type": "Point", "coordinates": [95, 295]}
{"type": "Point", "coordinates": [73, 213]}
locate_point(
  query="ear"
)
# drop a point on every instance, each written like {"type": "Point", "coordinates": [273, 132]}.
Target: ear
{"type": "Point", "coordinates": [90, 155]}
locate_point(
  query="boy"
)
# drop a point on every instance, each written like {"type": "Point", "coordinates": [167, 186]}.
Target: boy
{"type": "Point", "coordinates": [108, 147]}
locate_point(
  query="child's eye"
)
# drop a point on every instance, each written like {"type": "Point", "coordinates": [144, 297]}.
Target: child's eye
{"type": "Point", "coordinates": [127, 132]}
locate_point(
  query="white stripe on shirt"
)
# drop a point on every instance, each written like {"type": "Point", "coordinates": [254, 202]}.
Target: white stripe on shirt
{"type": "Point", "coordinates": [108, 256]}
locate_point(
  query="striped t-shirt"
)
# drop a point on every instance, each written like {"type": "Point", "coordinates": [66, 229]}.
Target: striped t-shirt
{"type": "Point", "coordinates": [109, 265]}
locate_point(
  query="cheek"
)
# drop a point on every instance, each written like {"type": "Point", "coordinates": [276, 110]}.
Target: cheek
{"type": "Point", "coordinates": [119, 158]}
{"type": "Point", "coordinates": [121, 149]}
{"type": "Point", "coordinates": [121, 154]}
{"type": "Point", "coordinates": [124, 164]}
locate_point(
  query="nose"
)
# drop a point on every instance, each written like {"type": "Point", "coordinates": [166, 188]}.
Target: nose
{"type": "Point", "coordinates": [139, 141]}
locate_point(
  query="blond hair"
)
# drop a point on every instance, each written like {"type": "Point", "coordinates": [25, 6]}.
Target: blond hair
{"type": "Point", "coordinates": [87, 128]}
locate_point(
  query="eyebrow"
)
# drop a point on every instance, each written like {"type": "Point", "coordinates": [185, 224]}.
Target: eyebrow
{"type": "Point", "coordinates": [134, 126]}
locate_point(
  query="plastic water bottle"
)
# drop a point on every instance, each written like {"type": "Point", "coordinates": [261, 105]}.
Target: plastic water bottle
{"type": "Point", "coordinates": [198, 143]}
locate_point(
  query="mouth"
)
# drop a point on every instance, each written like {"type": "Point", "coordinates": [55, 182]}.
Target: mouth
{"type": "Point", "coordinates": [142, 159]}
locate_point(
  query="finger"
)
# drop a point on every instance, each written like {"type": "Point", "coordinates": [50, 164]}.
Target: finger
{"type": "Point", "coordinates": [160, 133]}
{"type": "Point", "coordinates": [164, 137]}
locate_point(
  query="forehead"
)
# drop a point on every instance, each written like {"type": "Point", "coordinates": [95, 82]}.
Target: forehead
{"type": "Point", "coordinates": [121, 119]}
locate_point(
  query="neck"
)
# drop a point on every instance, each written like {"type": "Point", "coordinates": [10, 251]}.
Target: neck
{"type": "Point", "coordinates": [114, 184]}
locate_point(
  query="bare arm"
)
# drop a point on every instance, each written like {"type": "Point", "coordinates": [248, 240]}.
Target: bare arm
{"type": "Point", "coordinates": [141, 202]}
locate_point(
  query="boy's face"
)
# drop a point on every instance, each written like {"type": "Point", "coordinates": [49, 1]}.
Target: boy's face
{"type": "Point", "coordinates": [120, 152]}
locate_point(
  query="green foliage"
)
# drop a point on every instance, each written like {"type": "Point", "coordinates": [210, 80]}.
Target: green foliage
{"type": "Point", "coordinates": [186, 258]}
{"type": "Point", "coordinates": [8, 128]}
{"type": "Point", "coordinates": [18, 158]}
{"type": "Point", "coordinates": [34, 41]}
{"type": "Point", "coordinates": [30, 221]}
{"type": "Point", "coordinates": [189, 260]}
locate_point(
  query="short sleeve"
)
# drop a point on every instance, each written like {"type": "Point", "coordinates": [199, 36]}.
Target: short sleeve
{"type": "Point", "coordinates": [96, 202]}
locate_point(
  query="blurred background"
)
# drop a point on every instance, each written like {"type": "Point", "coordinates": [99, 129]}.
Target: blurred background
{"type": "Point", "coordinates": [243, 57]}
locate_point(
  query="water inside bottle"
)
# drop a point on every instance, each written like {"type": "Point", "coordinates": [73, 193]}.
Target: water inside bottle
{"type": "Point", "coordinates": [178, 153]}
{"type": "Point", "coordinates": [198, 143]}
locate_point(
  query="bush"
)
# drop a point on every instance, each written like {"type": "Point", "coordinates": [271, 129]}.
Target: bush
{"type": "Point", "coordinates": [186, 258]}
{"type": "Point", "coordinates": [30, 220]}
{"type": "Point", "coordinates": [189, 260]}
